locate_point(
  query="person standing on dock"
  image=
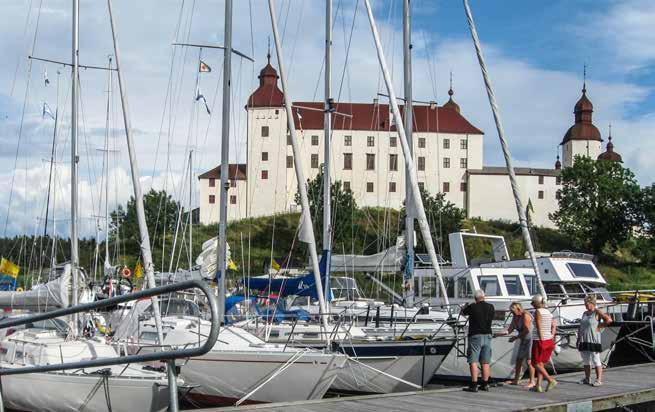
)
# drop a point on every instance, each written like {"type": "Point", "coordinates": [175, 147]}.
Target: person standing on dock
{"type": "Point", "coordinates": [589, 343]}
{"type": "Point", "coordinates": [522, 323]}
{"type": "Point", "coordinates": [480, 315]}
{"type": "Point", "coordinates": [543, 341]}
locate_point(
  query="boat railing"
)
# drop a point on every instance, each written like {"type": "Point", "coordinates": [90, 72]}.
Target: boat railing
{"type": "Point", "coordinates": [168, 356]}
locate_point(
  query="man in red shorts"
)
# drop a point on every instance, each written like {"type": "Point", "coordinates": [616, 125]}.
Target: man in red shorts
{"type": "Point", "coordinates": [543, 342]}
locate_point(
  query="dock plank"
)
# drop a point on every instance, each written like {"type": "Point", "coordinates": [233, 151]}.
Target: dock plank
{"type": "Point", "coordinates": [623, 386]}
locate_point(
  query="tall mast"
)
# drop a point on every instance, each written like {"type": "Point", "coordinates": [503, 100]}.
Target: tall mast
{"type": "Point", "coordinates": [146, 253]}
{"type": "Point", "coordinates": [75, 261]}
{"type": "Point", "coordinates": [327, 126]}
{"type": "Point", "coordinates": [107, 265]}
{"type": "Point", "coordinates": [190, 210]}
{"type": "Point", "coordinates": [409, 126]}
{"type": "Point", "coordinates": [409, 161]}
{"type": "Point", "coordinates": [221, 262]}
{"type": "Point", "coordinates": [306, 228]}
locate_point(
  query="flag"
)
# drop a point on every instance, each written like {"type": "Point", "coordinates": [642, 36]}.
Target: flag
{"type": "Point", "coordinates": [47, 111]}
{"type": "Point", "coordinates": [45, 77]}
{"type": "Point", "coordinates": [529, 211]}
{"type": "Point", "coordinates": [231, 265]}
{"type": "Point", "coordinates": [275, 265]}
{"type": "Point", "coordinates": [138, 270]}
{"type": "Point", "coordinates": [9, 268]}
{"type": "Point", "coordinates": [305, 231]}
{"type": "Point", "coordinates": [199, 96]}
{"type": "Point", "coordinates": [204, 67]}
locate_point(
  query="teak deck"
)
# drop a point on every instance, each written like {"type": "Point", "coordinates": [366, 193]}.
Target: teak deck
{"type": "Point", "coordinates": [623, 386]}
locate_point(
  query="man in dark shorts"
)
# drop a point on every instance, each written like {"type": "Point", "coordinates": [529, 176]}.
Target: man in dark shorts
{"type": "Point", "coordinates": [480, 315]}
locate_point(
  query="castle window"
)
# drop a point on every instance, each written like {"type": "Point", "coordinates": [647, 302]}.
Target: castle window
{"type": "Point", "coordinates": [347, 161]}
{"type": "Point", "coordinates": [393, 162]}
{"type": "Point", "coordinates": [462, 187]}
{"type": "Point", "coordinates": [446, 187]}
{"type": "Point", "coordinates": [421, 186]}
{"type": "Point", "coordinates": [289, 162]}
{"type": "Point", "coordinates": [421, 163]}
{"type": "Point", "coordinates": [446, 143]}
{"type": "Point", "coordinates": [264, 156]}
{"type": "Point", "coordinates": [346, 186]}
{"type": "Point", "coordinates": [463, 144]}
{"type": "Point", "coordinates": [421, 142]}
{"type": "Point", "coordinates": [264, 174]}
{"type": "Point", "coordinates": [370, 141]}
{"type": "Point", "coordinates": [314, 161]}
{"type": "Point", "coordinates": [233, 200]}
{"type": "Point", "coordinates": [314, 140]}
{"type": "Point", "coordinates": [233, 183]}
{"type": "Point", "coordinates": [541, 180]}
{"type": "Point", "coordinates": [463, 163]}
{"type": "Point", "coordinates": [369, 187]}
{"type": "Point", "coordinates": [265, 131]}
{"type": "Point", "coordinates": [370, 161]}
{"type": "Point", "coordinates": [212, 182]}
{"type": "Point", "coordinates": [392, 187]}
{"type": "Point", "coordinates": [347, 140]}
{"type": "Point", "coordinates": [212, 199]}
{"type": "Point", "coordinates": [541, 194]}
{"type": "Point", "coordinates": [393, 141]}
{"type": "Point", "coordinates": [446, 162]}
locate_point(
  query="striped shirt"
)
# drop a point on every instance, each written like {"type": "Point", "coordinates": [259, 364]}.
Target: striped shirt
{"type": "Point", "coordinates": [545, 323]}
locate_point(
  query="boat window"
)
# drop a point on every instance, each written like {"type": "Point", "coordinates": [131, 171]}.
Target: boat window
{"type": "Point", "coordinates": [574, 290]}
{"type": "Point", "coordinates": [464, 288]}
{"type": "Point", "coordinates": [513, 285]}
{"type": "Point", "coordinates": [554, 289]}
{"type": "Point", "coordinates": [582, 270]}
{"type": "Point", "coordinates": [489, 285]}
{"type": "Point", "coordinates": [302, 300]}
{"type": "Point", "coordinates": [148, 336]}
{"type": "Point", "coordinates": [531, 282]}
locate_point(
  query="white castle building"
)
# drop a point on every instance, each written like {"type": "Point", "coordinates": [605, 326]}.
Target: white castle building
{"type": "Point", "coordinates": [368, 159]}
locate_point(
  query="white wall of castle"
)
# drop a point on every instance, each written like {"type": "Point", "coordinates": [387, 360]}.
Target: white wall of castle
{"type": "Point", "coordinates": [491, 197]}
{"type": "Point", "coordinates": [572, 148]}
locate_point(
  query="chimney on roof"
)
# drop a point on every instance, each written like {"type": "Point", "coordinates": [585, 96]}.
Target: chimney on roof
{"type": "Point", "coordinates": [375, 101]}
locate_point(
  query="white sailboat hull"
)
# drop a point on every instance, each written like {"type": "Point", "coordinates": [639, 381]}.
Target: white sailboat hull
{"type": "Point", "coordinates": [224, 377]}
{"type": "Point", "coordinates": [58, 392]}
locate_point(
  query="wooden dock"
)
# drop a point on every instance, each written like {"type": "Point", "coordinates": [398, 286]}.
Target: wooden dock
{"type": "Point", "coordinates": [623, 386]}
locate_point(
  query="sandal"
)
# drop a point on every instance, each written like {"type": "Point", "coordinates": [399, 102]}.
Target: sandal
{"type": "Point", "coordinates": [597, 383]}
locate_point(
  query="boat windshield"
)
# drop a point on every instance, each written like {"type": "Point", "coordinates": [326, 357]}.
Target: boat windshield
{"type": "Point", "coordinates": [513, 285]}
{"type": "Point", "coordinates": [489, 285]}
{"type": "Point", "coordinates": [582, 270]}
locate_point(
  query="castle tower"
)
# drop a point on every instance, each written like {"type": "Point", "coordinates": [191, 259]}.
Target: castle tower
{"type": "Point", "coordinates": [583, 138]}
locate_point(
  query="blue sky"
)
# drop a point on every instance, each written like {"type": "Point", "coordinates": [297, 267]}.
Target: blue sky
{"type": "Point", "coordinates": [535, 51]}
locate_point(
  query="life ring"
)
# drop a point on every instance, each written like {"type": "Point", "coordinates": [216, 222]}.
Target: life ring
{"type": "Point", "coordinates": [126, 273]}
{"type": "Point", "coordinates": [19, 289]}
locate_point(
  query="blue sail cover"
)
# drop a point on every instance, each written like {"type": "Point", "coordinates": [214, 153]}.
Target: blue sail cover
{"type": "Point", "coordinates": [298, 286]}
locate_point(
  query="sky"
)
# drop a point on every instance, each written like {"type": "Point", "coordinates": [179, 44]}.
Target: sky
{"type": "Point", "coordinates": [535, 51]}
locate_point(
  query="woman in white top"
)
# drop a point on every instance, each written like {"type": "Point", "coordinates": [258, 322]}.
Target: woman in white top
{"type": "Point", "coordinates": [543, 341]}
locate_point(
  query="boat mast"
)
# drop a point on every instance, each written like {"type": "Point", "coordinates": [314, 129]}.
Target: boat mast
{"type": "Point", "coordinates": [305, 217]}
{"type": "Point", "coordinates": [74, 160]}
{"type": "Point", "coordinates": [409, 161]}
{"type": "Point", "coordinates": [190, 210]}
{"type": "Point", "coordinates": [327, 126]}
{"type": "Point", "coordinates": [146, 253]}
{"type": "Point", "coordinates": [221, 261]}
{"type": "Point", "coordinates": [409, 127]}
{"type": "Point", "coordinates": [107, 264]}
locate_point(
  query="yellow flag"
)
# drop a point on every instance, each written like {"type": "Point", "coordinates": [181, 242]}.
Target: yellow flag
{"type": "Point", "coordinates": [231, 265]}
{"type": "Point", "coordinates": [9, 268]}
{"type": "Point", "coordinates": [138, 270]}
{"type": "Point", "coordinates": [275, 265]}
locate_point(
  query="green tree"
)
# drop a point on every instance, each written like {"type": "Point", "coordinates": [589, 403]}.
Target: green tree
{"type": "Point", "coordinates": [644, 247]}
{"type": "Point", "coordinates": [343, 206]}
{"type": "Point", "coordinates": [443, 216]}
{"type": "Point", "coordinates": [598, 204]}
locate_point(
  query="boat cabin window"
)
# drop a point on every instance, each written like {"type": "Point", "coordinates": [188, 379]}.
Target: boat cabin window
{"type": "Point", "coordinates": [489, 285]}
{"type": "Point", "coordinates": [513, 285]}
{"type": "Point", "coordinates": [582, 270]}
{"type": "Point", "coordinates": [554, 289]}
{"type": "Point", "coordinates": [464, 287]}
{"type": "Point", "coordinates": [574, 290]}
{"type": "Point", "coordinates": [531, 283]}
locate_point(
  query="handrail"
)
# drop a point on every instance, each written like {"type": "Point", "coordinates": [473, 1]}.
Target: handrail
{"type": "Point", "coordinates": [138, 358]}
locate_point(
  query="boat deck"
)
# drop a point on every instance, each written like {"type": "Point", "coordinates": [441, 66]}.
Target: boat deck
{"type": "Point", "coordinates": [623, 386]}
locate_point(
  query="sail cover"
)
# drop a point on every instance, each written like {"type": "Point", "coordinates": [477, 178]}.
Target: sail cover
{"type": "Point", "coordinates": [43, 297]}
{"type": "Point", "coordinates": [207, 258]}
{"type": "Point", "coordinates": [389, 260]}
